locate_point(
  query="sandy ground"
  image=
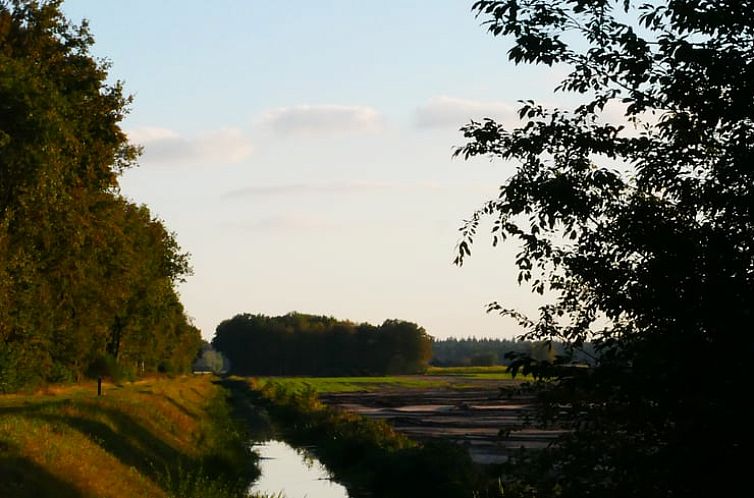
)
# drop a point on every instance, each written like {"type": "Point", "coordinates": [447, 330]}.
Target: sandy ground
{"type": "Point", "coordinates": [488, 417]}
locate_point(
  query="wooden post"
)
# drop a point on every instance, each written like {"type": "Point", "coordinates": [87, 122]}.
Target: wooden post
{"type": "Point", "coordinates": [99, 386]}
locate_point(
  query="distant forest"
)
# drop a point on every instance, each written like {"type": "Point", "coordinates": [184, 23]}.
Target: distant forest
{"type": "Point", "coordinates": [87, 278]}
{"type": "Point", "coordinates": [300, 344]}
{"type": "Point", "coordinates": [482, 352]}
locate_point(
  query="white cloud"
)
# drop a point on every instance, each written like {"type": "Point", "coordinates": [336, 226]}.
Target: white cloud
{"type": "Point", "coordinates": [309, 188]}
{"type": "Point", "coordinates": [328, 188]}
{"type": "Point", "coordinates": [164, 146]}
{"type": "Point", "coordinates": [288, 222]}
{"type": "Point", "coordinates": [453, 112]}
{"type": "Point", "coordinates": [615, 114]}
{"type": "Point", "coordinates": [321, 120]}
{"type": "Point", "coordinates": [148, 134]}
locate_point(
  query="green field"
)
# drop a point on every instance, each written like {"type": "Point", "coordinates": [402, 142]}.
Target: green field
{"type": "Point", "coordinates": [492, 372]}
{"type": "Point", "coordinates": [351, 384]}
{"type": "Point", "coordinates": [434, 378]}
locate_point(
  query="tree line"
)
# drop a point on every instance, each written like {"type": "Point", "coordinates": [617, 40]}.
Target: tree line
{"type": "Point", "coordinates": [486, 351]}
{"type": "Point", "coordinates": [87, 277]}
{"type": "Point", "coordinates": [301, 344]}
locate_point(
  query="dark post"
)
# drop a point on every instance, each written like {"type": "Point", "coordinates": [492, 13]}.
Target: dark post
{"type": "Point", "coordinates": [99, 386]}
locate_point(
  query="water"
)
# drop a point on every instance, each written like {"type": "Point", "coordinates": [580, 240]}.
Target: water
{"type": "Point", "coordinates": [293, 473]}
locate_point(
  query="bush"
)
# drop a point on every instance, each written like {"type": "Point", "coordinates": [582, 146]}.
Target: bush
{"type": "Point", "coordinates": [9, 380]}
{"type": "Point", "coordinates": [484, 360]}
{"type": "Point", "coordinates": [60, 374]}
{"type": "Point", "coordinates": [106, 366]}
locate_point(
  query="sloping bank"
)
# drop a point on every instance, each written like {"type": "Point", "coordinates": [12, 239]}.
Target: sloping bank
{"type": "Point", "coordinates": [367, 456]}
{"type": "Point", "coordinates": [155, 438]}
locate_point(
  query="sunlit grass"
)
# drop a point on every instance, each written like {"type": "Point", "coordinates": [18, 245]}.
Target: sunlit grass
{"type": "Point", "coordinates": [149, 438]}
{"type": "Point", "coordinates": [351, 384]}
{"type": "Point", "coordinates": [494, 372]}
{"type": "Point", "coordinates": [435, 378]}
{"type": "Point", "coordinates": [468, 370]}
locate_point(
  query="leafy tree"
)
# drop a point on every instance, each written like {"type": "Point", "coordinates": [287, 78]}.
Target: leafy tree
{"type": "Point", "coordinates": [209, 360]}
{"type": "Point", "coordinates": [84, 274]}
{"type": "Point", "coordinates": [642, 231]}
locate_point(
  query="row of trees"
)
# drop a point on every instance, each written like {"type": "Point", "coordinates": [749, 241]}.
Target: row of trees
{"type": "Point", "coordinates": [485, 351]}
{"type": "Point", "coordinates": [87, 278]}
{"type": "Point", "coordinates": [300, 344]}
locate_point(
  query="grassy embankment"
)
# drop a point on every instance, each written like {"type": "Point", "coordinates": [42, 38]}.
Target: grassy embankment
{"type": "Point", "coordinates": [153, 438]}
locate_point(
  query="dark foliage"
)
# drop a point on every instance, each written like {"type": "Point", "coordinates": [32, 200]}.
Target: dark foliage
{"type": "Point", "coordinates": [480, 352]}
{"type": "Point", "coordinates": [642, 229]}
{"type": "Point", "coordinates": [84, 274]}
{"type": "Point", "coordinates": [299, 344]}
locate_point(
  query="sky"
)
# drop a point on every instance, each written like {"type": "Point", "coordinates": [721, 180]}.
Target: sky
{"type": "Point", "coordinates": [301, 152]}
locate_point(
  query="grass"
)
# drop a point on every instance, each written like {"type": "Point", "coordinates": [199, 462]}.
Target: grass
{"type": "Point", "coordinates": [154, 438]}
{"type": "Point", "coordinates": [495, 372]}
{"type": "Point", "coordinates": [181, 438]}
{"type": "Point", "coordinates": [435, 378]}
{"type": "Point", "coordinates": [350, 384]}
{"type": "Point", "coordinates": [501, 370]}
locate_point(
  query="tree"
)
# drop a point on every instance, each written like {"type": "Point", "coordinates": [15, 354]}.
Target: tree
{"type": "Point", "coordinates": [84, 274]}
{"type": "Point", "coordinates": [302, 344]}
{"type": "Point", "coordinates": [209, 360]}
{"type": "Point", "coordinates": [641, 229]}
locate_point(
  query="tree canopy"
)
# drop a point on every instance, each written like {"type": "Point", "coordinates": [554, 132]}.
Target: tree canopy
{"type": "Point", "coordinates": [486, 351]}
{"type": "Point", "coordinates": [641, 228]}
{"type": "Point", "coordinates": [301, 344]}
{"type": "Point", "coordinates": [84, 273]}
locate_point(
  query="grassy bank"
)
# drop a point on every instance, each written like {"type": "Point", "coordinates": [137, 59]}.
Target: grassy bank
{"type": "Point", "coordinates": [154, 438]}
{"type": "Point", "coordinates": [365, 454]}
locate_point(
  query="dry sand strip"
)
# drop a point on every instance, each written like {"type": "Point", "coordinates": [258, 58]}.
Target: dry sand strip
{"type": "Point", "coordinates": [489, 421]}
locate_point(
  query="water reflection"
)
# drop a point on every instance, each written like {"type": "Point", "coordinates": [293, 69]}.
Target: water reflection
{"type": "Point", "coordinates": [292, 473]}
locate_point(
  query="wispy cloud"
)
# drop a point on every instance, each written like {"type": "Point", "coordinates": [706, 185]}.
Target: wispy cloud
{"type": "Point", "coordinates": [287, 222]}
{"type": "Point", "coordinates": [165, 146]}
{"type": "Point", "coordinates": [310, 188]}
{"type": "Point", "coordinates": [453, 112]}
{"type": "Point", "coordinates": [335, 188]}
{"type": "Point", "coordinates": [321, 120]}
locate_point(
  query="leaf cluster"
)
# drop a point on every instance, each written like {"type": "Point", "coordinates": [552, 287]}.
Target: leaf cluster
{"type": "Point", "coordinates": [639, 228]}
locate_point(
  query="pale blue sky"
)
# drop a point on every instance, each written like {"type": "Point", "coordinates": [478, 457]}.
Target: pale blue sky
{"type": "Point", "coordinates": [302, 152]}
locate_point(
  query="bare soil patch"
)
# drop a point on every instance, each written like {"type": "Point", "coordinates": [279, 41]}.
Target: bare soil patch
{"type": "Point", "coordinates": [488, 417]}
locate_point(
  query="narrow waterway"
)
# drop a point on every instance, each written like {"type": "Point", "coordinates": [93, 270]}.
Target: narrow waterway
{"type": "Point", "coordinates": [293, 473]}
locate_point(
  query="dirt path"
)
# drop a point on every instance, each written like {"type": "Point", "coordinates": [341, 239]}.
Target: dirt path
{"type": "Point", "coordinates": [486, 416]}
